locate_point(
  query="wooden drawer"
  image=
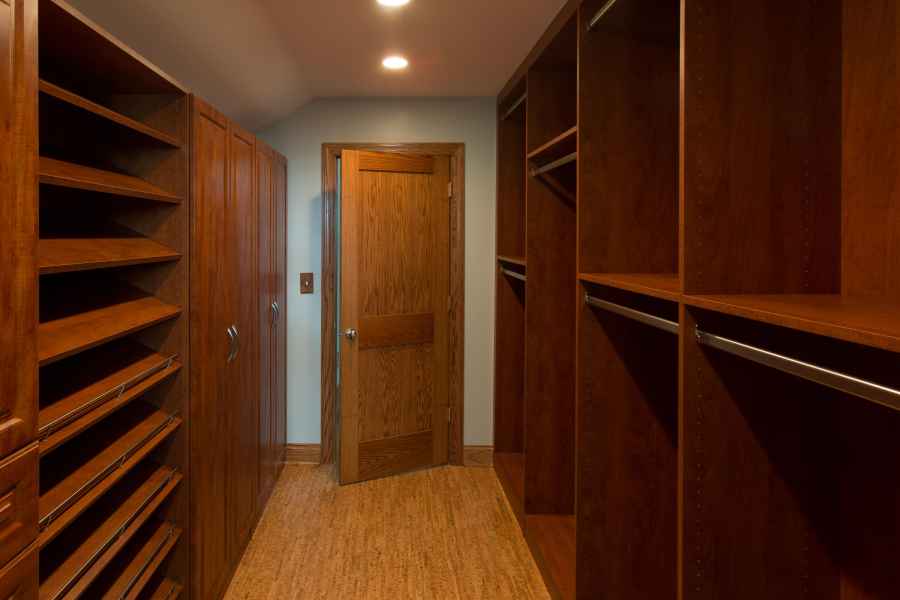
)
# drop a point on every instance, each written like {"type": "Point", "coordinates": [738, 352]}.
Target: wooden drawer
{"type": "Point", "coordinates": [18, 503]}
{"type": "Point", "coordinates": [19, 579]}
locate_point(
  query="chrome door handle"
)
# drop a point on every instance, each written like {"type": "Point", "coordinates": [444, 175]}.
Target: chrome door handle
{"type": "Point", "coordinates": [276, 312]}
{"type": "Point", "coordinates": [351, 334]}
{"type": "Point", "coordinates": [237, 339]}
{"type": "Point", "coordinates": [231, 340]}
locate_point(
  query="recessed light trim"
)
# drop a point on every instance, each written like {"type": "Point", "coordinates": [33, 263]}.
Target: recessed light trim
{"type": "Point", "coordinates": [395, 63]}
{"type": "Point", "coordinates": [393, 3]}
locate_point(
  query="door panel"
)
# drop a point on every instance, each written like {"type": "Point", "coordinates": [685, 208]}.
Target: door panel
{"type": "Point", "coordinates": [210, 311]}
{"type": "Point", "coordinates": [243, 373]}
{"type": "Point", "coordinates": [280, 196]}
{"type": "Point", "coordinates": [267, 312]}
{"type": "Point", "coordinates": [395, 281]}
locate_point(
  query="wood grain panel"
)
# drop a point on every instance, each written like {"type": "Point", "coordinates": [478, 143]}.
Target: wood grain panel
{"type": "Point", "coordinates": [18, 224]}
{"type": "Point", "coordinates": [396, 330]}
{"type": "Point", "coordinates": [552, 542]}
{"type": "Point", "coordinates": [19, 579]}
{"type": "Point", "coordinates": [383, 457]}
{"type": "Point", "coordinates": [69, 175]}
{"type": "Point", "coordinates": [396, 162]}
{"type": "Point", "coordinates": [509, 366]}
{"type": "Point", "coordinates": [399, 395]}
{"type": "Point", "coordinates": [18, 502]}
{"type": "Point", "coordinates": [65, 255]}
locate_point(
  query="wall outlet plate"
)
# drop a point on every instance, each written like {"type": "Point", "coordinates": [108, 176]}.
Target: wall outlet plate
{"type": "Point", "coordinates": [306, 283]}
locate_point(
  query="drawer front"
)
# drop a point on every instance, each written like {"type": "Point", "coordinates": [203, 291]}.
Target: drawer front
{"type": "Point", "coordinates": [19, 579]}
{"type": "Point", "coordinates": [18, 503]}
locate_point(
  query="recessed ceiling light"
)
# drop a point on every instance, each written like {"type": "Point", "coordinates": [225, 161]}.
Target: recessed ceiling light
{"type": "Point", "coordinates": [395, 63]}
{"type": "Point", "coordinates": [393, 3]}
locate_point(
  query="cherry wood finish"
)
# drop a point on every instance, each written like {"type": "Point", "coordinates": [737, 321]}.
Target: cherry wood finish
{"type": "Point", "coordinates": [65, 255]}
{"type": "Point", "coordinates": [18, 510]}
{"type": "Point", "coordinates": [511, 179]}
{"type": "Point", "coordinates": [130, 572]}
{"type": "Point", "coordinates": [63, 174]}
{"type": "Point", "coordinates": [552, 542]}
{"type": "Point", "coordinates": [510, 469]}
{"type": "Point", "coordinates": [19, 579]}
{"type": "Point", "coordinates": [18, 224]}
{"type": "Point", "coordinates": [665, 286]}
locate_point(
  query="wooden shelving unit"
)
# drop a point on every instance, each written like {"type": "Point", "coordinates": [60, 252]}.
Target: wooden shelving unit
{"type": "Point", "coordinates": [728, 220]}
{"type": "Point", "coordinates": [113, 339]}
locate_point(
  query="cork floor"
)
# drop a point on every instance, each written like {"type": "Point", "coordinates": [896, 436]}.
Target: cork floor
{"type": "Point", "coordinates": [446, 533]}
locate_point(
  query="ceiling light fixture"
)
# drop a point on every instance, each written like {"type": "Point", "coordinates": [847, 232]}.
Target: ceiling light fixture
{"type": "Point", "coordinates": [393, 3]}
{"type": "Point", "coordinates": [395, 63]}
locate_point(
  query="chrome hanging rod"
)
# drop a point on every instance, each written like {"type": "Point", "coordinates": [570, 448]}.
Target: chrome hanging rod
{"type": "Point", "coordinates": [842, 382]}
{"type": "Point", "coordinates": [555, 164]}
{"type": "Point", "coordinates": [513, 274]}
{"type": "Point", "coordinates": [600, 14]}
{"type": "Point", "coordinates": [636, 315]}
{"type": "Point", "coordinates": [515, 106]}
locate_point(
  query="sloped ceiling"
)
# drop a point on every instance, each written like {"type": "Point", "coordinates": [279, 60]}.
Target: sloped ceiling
{"type": "Point", "coordinates": [260, 60]}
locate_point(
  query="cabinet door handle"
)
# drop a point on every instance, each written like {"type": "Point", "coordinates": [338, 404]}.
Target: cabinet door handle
{"type": "Point", "coordinates": [231, 340]}
{"type": "Point", "coordinates": [237, 341]}
{"type": "Point", "coordinates": [274, 312]}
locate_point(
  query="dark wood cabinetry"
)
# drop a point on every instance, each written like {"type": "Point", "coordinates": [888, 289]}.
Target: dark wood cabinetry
{"type": "Point", "coordinates": [237, 311]}
{"type": "Point", "coordinates": [707, 330]}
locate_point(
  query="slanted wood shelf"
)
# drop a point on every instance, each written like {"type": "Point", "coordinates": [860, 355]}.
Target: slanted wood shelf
{"type": "Point", "coordinates": [861, 321]}
{"type": "Point", "coordinates": [562, 145]}
{"type": "Point", "coordinates": [64, 255]}
{"type": "Point", "coordinates": [510, 469]}
{"type": "Point", "coordinates": [112, 116]}
{"type": "Point", "coordinates": [513, 260]}
{"type": "Point", "coordinates": [132, 571]}
{"type": "Point", "coordinates": [74, 333]}
{"type": "Point", "coordinates": [73, 480]}
{"type": "Point", "coordinates": [552, 541]}
{"type": "Point", "coordinates": [101, 537]}
{"type": "Point", "coordinates": [73, 398]}
{"type": "Point", "coordinates": [666, 286]}
{"type": "Point", "coordinates": [166, 590]}
{"type": "Point", "coordinates": [69, 175]}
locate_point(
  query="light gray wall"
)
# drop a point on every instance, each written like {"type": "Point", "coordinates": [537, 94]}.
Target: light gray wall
{"type": "Point", "coordinates": [300, 139]}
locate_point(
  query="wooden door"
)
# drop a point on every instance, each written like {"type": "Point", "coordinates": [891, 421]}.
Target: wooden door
{"type": "Point", "coordinates": [395, 298]}
{"type": "Point", "coordinates": [18, 224]}
{"type": "Point", "coordinates": [243, 401]}
{"type": "Point", "coordinates": [268, 315]}
{"type": "Point", "coordinates": [211, 301]}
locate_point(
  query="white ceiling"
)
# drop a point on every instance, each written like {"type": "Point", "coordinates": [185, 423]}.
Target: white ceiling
{"type": "Point", "coordinates": [260, 60]}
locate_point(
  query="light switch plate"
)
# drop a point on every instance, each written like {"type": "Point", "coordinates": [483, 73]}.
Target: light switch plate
{"type": "Point", "coordinates": [306, 283]}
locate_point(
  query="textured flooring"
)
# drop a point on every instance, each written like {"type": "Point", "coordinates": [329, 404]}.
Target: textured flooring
{"type": "Point", "coordinates": [445, 533]}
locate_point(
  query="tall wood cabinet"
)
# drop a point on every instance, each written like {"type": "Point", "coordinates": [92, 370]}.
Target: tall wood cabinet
{"type": "Point", "coordinates": [237, 314]}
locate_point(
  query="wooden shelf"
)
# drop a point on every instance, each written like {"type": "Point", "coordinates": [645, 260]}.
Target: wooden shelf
{"type": "Point", "coordinates": [562, 145]}
{"type": "Point", "coordinates": [74, 398]}
{"type": "Point", "coordinates": [513, 260]}
{"type": "Point", "coordinates": [70, 334]}
{"type": "Point", "coordinates": [552, 541]}
{"type": "Point", "coordinates": [166, 590]}
{"type": "Point", "coordinates": [861, 321]}
{"type": "Point", "coordinates": [666, 286]}
{"type": "Point", "coordinates": [133, 570]}
{"type": "Point", "coordinates": [68, 570]}
{"type": "Point", "coordinates": [64, 255]}
{"type": "Point", "coordinates": [64, 174]}
{"type": "Point", "coordinates": [81, 473]}
{"type": "Point", "coordinates": [510, 469]}
{"type": "Point", "coordinates": [112, 116]}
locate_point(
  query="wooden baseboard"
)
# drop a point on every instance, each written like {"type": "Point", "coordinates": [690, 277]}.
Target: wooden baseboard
{"type": "Point", "coordinates": [303, 454]}
{"type": "Point", "coordinates": [478, 456]}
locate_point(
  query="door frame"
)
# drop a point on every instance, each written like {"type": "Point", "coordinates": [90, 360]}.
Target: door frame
{"type": "Point", "coordinates": [457, 154]}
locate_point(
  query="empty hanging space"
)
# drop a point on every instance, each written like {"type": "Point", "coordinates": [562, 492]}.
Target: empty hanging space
{"type": "Point", "coordinates": [791, 191]}
{"type": "Point", "coordinates": [629, 137]}
{"type": "Point", "coordinates": [549, 392]}
{"type": "Point", "coordinates": [627, 445]}
{"type": "Point", "coordinates": [791, 442]}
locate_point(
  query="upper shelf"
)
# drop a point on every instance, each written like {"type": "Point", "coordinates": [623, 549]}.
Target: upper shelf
{"type": "Point", "coordinates": [860, 321]}
{"type": "Point", "coordinates": [91, 107]}
{"type": "Point", "coordinates": [562, 145]}
{"type": "Point", "coordinates": [95, 325]}
{"type": "Point", "coordinates": [69, 175]}
{"type": "Point", "coordinates": [513, 260]}
{"type": "Point", "coordinates": [63, 255]}
{"type": "Point", "coordinates": [666, 286]}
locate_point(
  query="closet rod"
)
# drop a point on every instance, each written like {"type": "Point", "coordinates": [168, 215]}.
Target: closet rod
{"type": "Point", "coordinates": [555, 164]}
{"type": "Point", "coordinates": [636, 315]}
{"type": "Point", "coordinates": [515, 106]}
{"type": "Point", "coordinates": [513, 274]}
{"type": "Point", "coordinates": [861, 388]}
{"type": "Point", "coordinates": [600, 14]}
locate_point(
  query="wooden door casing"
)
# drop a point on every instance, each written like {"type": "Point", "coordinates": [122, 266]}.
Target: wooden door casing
{"type": "Point", "coordinates": [243, 401]}
{"type": "Point", "coordinates": [18, 224]}
{"type": "Point", "coordinates": [395, 281]}
{"type": "Point", "coordinates": [210, 310]}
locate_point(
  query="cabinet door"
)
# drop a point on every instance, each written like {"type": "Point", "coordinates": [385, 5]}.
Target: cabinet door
{"type": "Point", "coordinates": [243, 369]}
{"type": "Point", "coordinates": [211, 298]}
{"type": "Point", "coordinates": [268, 317]}
{"type": "Point", "coordinates": [280, 239]}
{"type": "Point", "coordinates": [18, 224]}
